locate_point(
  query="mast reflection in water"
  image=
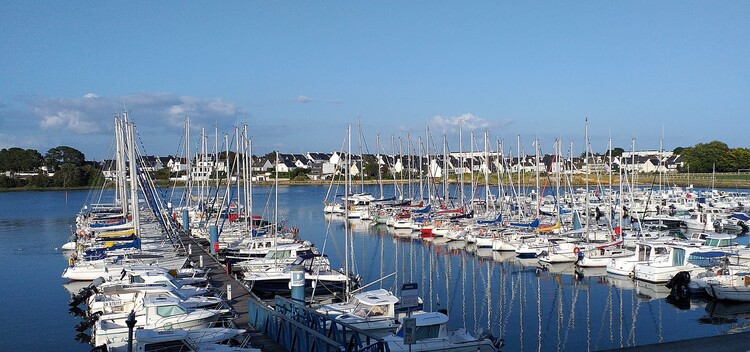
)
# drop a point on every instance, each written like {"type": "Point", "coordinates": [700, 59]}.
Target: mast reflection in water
{"type": "Point", "coordinates": [534, 307]}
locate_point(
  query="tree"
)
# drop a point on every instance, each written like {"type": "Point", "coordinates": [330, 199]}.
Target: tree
{"type": "Point", "coordinates": [59, 156]}
{"type": "Point", "coordinates": [17, 159]}
{"type": "Point", "coordinates": [40, 180]}
{"type": "Point", "coordinates": [270, 157]}
{"type": "Point", "coordinates": [735, 159]}
{"type": "Point", "coordinates": [7, 182]}
{"type": "Point", "coordinates": [69, 176]}
{"type": "Point", "coordinates": [617, 152]}
{"type": "Point", "coordinates": [678, 150]}
{"type": "Point", "coordinates": [702, 157]}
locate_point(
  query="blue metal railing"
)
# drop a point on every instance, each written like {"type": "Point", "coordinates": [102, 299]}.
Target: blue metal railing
{"type": "Point", "coordinates": [297, 328]}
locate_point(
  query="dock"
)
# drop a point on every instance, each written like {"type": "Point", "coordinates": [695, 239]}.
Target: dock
{"type": "Point", "coordinates": [239, 293]}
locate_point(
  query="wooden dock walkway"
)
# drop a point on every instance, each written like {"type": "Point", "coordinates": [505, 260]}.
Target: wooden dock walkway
{"type": "Point", "coordinates": [240, 294]}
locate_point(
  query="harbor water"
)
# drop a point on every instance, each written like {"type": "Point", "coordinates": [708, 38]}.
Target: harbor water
{"type": "Point", "coordinates": [533, 308]}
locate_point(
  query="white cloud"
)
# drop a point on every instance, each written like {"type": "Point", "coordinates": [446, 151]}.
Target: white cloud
{"type": "Point", "coordinates": [67, 120]}
{"type": "Point", "coordinates": [303, 99]}
{"type": "Point", "coordinates": [467, 121]}
{"type": "Point", "coordinates": [92, 114]}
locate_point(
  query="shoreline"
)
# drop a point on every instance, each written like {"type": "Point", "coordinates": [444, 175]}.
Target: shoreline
{"type": "Point", "coordinates": [723, 181]}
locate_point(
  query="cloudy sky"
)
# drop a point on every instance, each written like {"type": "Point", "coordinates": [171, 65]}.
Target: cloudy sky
{"type": "Point", "coordinates": [298, 72]}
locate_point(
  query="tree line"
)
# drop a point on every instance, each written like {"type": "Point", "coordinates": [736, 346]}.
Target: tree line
{"type": "Point", "coordinates": [67, 166]}
{"type": "Point", "coordinates": [716, 155]}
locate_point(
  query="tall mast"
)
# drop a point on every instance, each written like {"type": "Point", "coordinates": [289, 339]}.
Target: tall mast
{"type": "Point", "coordinates": [586, 174]}
{"type": "Point", "coordinates": [133, 177]}
{"type": "Point", "coordinates": [122, 187]}
{"type": "Point", "coordinates": [427, 156]}
{"type": "Point", "coordinates": [346, 221]}
{"type": "Point", "coordinates": [248, 177]}
{"type": "Point", "coordinates": [461, 160]}
{"type": "Point", "coordinates": [518, 162]}
{"type": "Point", "coordinates": [536, 166]}
{"type": "Point", "coordinates": [486, 170]}
{"type": "Point", "coordinates": [189, 170]}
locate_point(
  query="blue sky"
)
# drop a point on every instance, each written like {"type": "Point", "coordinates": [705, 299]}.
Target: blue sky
{"type": "Point", "coordinates": [298, 72]}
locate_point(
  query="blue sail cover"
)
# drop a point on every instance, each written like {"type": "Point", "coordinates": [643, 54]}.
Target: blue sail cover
{"type": "Point", "coordinates": [533, 224]}
{"type": "Point", "coordinates": [496, 221]}
{"type": "Point", "coordinates": [424, 210]}
{"type": "Point", "coordinates": [739, 216]}
{"type": "Point", "coordinates": [577, 221]}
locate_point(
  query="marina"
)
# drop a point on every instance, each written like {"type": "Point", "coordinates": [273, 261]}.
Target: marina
{"type": "Point", "coordinates": [437, 266]}
{"type": "Point", "coordinates": [480, 288]}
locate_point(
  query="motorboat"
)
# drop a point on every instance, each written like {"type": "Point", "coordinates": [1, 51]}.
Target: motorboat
{"type": "Point", "coordinates": [373, 311]}
{"type": "Point", "coordinates": [160, 313]}
{"type": "Point", "coordinates": [431, 334]}
{"type": "Point", "coordinates": [199, 340]}
{"type": "Point", "coordinates": [318, 275]}
{"type": "Point", "coordinates": [644, 252]}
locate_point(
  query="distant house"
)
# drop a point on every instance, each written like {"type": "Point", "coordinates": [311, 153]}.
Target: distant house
{"type": "Point", "coordinates": [109, 170]}
{"type": "Point", "coordinates": [261, 166]}
{"type": "Point", "coordinates": [151, 163]}
{"type": "Point", "coordinates": [286, 165]}
{"type": "Point", "coordinates": [673, 163]}
{"type": "Point", "coordinates": [176, 164]}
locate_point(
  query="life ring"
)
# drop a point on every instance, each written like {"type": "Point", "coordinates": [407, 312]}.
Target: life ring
{"type": "Point", "coordinates": [576, 250]}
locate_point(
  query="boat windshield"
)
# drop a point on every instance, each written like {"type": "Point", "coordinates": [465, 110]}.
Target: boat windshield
{"type": "Point", "coordinates": [168, 311]}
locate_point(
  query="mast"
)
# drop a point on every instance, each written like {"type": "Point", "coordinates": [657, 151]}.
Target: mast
{"type": "Point", "coordinates": [429, 169]}
{"type": "Point", "coordinates": [248, 178]}
{"type": "Point", "coordinates": [586, 174]}
{"type": "Point", "coordinates": [122, 187]}
{"type": "Point", "coordinates": [189, 171]}
{"type": "Point", "coordinates": [518, 162]}
{"type": "Point", "coordinates": [461, 160]}
{"type": "Point", "coordinates": [133, 177]}
{"type": "Point", "coordinates": [536, 166]}
{"type": "Point", "coordinates": [486, 170]}
{"type": "Point", "coordinates": [446, 194]}
{"type": "Point", "coordinates": [346, 218]}
{"type": "Point", "coordinates": [378, 159]}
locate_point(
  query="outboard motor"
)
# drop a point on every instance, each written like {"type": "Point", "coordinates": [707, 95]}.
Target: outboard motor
{"type": "Point", "coordinates": [743, 227]}
{"type": "Point", "coordinates": [717, 226]}
{"type": "Point", "coordinates": [678, 283]}
{"type": "Point", "coordinates": [88, 322]}
{"type": "Point", "coordinates": [102, 348]}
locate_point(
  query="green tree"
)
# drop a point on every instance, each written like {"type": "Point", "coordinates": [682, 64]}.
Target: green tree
{"type": "Point", "coordinates": [92, 176]}
{"type": "Point", "coordinates": [17, 159]}
{"type": "Point", "coordinates": [40, 180]}
{"type": "Point", "coordinates": [678, 150]}
{"type": "Point", "coordinates": [735, 159]}
{"type": "Point", "coordinates": [702, 157]}
{"type": "Point", "coordinates": [7, 182]}
{"type": "Point", "coordinates": [69, 176]}
{"type": "Point", "coordinates": [59, 156]}
{"type": "Point", "coordinates": [617, 152]}
{"type": "Point", "coordinates": [162, 174]}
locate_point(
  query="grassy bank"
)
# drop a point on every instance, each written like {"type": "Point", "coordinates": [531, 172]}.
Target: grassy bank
{"type": "Point", "coordinates": [726, 180]}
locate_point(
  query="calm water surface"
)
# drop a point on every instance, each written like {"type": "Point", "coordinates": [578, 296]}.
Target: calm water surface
{"type": "Point", "coordinates": [533, 309]}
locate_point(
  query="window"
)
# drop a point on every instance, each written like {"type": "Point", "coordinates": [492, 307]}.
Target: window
{"type": "Point", "coordinates": [426, 332]}
{"type": "Point", "coordinates": [168, 311]}
{"type": "Point", "coordinates": [679, 257]}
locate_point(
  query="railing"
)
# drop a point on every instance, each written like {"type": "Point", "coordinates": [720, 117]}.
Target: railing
{"type": "Point", "coordinates": [297, 328]}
